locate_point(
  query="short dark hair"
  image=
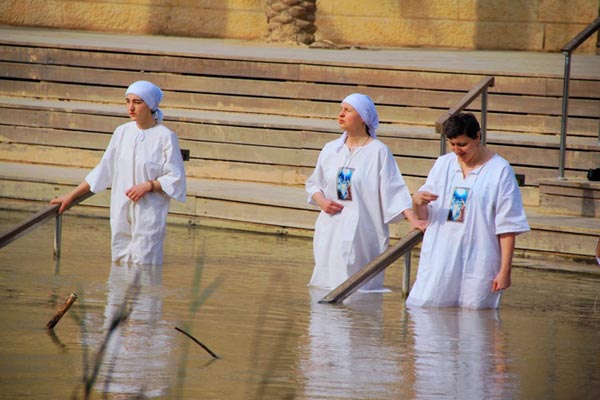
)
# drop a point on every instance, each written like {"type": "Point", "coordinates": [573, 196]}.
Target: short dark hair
{"type": "Point", "coordinates": [462, 124]}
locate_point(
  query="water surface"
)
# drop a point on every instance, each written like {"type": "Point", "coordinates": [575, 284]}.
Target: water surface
{"type": "Point", "coordinates": [244, 296]}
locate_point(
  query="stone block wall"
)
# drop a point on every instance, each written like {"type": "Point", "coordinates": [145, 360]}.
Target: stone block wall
{"type": "Point", "coordinates": [534, 25]}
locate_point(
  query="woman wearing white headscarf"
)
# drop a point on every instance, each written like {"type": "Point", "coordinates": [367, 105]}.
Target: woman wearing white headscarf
{"type": "Point", "coordinates": [144, 167]}
{"type": "Point", "coordinates": [360, 190]}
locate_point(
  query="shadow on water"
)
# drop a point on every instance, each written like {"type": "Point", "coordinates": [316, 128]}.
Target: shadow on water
{"type": "Point", "coordinates": [244, 295]}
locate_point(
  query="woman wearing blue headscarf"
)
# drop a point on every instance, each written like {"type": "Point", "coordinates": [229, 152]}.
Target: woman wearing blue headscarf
{"type": "Point", "coordinates": [144, 168]}
{"type": "Point", "coordinates": [360, 190]}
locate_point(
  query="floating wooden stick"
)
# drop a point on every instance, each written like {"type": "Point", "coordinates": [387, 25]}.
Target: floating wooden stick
{"type": "Point", "coordinates": [198, 342]}
{"type": "Point", "coordinates": [61, 311]}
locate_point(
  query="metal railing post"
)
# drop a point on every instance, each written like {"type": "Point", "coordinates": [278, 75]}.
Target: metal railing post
{"type": "Point", "coordinates": [57, 236]}
{"type": "Point", "coordinates": [443, 145]}
{"type": "Point", "coordinates": [38, 218]}
{"type": "Point", "coordinates": [567, 50]}
{"type": "Point", "coordinates": [565, 116]}
{"type": "Point", "coordinates": [406, 274]}
{"type": "Point", "coordinates": [484, 103]}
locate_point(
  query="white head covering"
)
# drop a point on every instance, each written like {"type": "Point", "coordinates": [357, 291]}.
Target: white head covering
{"type": "Point", "coordinates": [366, 109]}
{"type": "Point", "coordinates": [150, 93]}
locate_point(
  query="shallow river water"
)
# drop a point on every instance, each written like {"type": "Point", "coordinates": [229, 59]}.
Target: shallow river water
{"type": "Point", "coordinates": [244, 296]}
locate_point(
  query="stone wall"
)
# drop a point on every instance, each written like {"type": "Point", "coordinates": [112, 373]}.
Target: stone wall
{"type": "Point", "coordinates": [536, 25]}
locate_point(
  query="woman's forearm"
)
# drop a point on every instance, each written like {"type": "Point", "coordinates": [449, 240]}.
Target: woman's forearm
{"type": "Point", "coordinates": [507, 249]}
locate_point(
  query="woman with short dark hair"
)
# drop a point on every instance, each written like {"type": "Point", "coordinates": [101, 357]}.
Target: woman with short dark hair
{"type": "Point", "coordinates": [475, 211]}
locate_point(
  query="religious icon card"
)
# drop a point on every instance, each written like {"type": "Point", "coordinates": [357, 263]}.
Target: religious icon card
{"type": "Point", "coordinates": [458, 203]}
{"type": "Point", "coordinates": [344, 184]}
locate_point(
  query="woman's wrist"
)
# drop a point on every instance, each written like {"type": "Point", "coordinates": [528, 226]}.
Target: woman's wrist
{"type": "Point", "coordinates": [151, 182]}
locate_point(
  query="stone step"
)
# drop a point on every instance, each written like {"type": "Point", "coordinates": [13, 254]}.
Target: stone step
{"type": "Point", "coordinates": [265, 148]}
{"type": "Point", "coordinates": [409, 86]}
{"type": "Point", "coordinates": [255, 117]}
{"type": "Point", "coordinates": [579, 197]}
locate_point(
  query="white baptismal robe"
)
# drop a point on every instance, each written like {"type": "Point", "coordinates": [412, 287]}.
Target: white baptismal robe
{"type": "Point", "coordinates": [459, 261]}
{"type": "Point", "coordinates": [347, 241]}
{"type": "Point", "coordinates": [134, 156]}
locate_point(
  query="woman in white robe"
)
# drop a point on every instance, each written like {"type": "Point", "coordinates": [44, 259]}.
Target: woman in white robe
{"type": "Point", "coordinates": [474, 208]}
{"type": "Point", "coordinates": [359, 188]}
{"type": "Point", "coordinates": [144, 167]}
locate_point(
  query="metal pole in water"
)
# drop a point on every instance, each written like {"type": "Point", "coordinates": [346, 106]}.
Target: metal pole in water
{"type": "Point", "coordinates": [406, 275]}
{"type": "Point", "coordinates": [57, 236]}
{"type": "Point", "coordinates": [374, 267]}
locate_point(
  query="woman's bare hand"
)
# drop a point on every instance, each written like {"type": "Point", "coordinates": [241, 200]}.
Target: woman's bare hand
{"type": "Point", "coordinates": [65, 200]}
{"type": "Point", "coordinates": [419, 224]}
{"type": "Point", "coordinates": [330, 207]}
{"type": "Point", "coordinates": [424, 198]}
{"type": "Point", "coordinates": [501, 281]}
{"type": "Point", "coordinates": [138, 191]}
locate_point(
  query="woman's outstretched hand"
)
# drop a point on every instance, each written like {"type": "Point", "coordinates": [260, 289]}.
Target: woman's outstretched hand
{"type": "Point", "coordinates": [414, 221]}
{"type": "Point", "coordinates": [418, 224]}
{"type": "Point", "coordinates": [65, 201]}
{"type": "Point", "coordinates": [424, 198]}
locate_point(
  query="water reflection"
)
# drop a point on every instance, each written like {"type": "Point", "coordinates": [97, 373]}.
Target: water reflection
{"type": "Point", "coordinates": [353, 353]}
{"type": "Point", "coordinates": [274, 340]}
{"type": "Point", "coordinates": [460, 354]}
{"type": "Point", "coordinates": [136, 359]}
{"type": "Point", "coordinates": [348, 356]}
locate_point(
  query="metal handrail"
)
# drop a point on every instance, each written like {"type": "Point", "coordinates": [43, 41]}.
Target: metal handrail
{"type": "Point", "coordinates": [377, 265]}
{"type": "Point", "coordinates": [38, 218]}
{"type": "Point", "coordinates": [567, 50]}
{"type": "Point", "coordinates": [52, 211]}
{"type": "Point", "coordinates": [480, 89]}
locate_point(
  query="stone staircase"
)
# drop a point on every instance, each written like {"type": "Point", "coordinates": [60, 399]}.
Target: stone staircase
{"type": "Point", "coordinates": [254, 118]}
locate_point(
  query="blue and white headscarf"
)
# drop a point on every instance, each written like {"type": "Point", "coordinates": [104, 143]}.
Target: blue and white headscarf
{"type": "Point", "coordinates": [366, 109]}
{"type": "Point", "coordinates": [151, 94]}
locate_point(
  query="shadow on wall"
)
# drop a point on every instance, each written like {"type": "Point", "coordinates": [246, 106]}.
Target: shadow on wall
{"type": "Point", "coordinates": [178, 18]}
{"type": "Point", "coordinates": [503, 26]}
{"type": "Point", "coordinates": [534, 25]}
{"type": "Point", "coordinates": [202, 19]}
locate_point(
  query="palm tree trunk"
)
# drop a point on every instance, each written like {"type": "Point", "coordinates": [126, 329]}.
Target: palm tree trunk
{"type": "Point", "coordinates": [291, 20]}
